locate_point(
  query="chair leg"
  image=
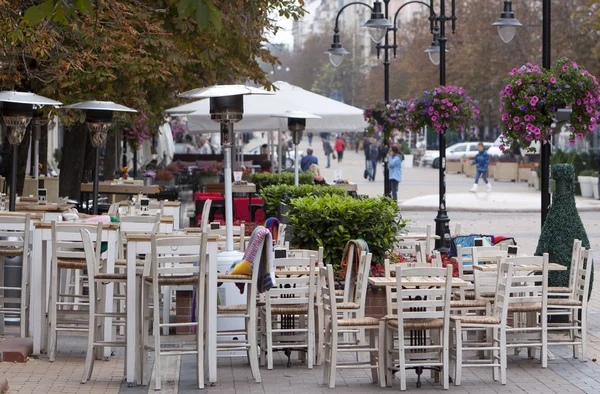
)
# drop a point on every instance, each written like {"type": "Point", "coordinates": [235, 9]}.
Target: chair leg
{"type": "Point", "coordinates": [445, 334]}
{"type": "Point", "coordinates": [25, 296]}
{"type": "Point", "coordinates": [373, 356]}
{"type": "Point", "coordinates": [584, 334]}
{"type": "Point", "coordinates": [389, 355]}
{"type": "Point", "coordinates": [52, 314]}
{"type": "Point", "coordinates": [320, 324]}
{"type": "Point", "coordinates": [311, 339]}
{"type": "Point", "coordinates": [145, 327]}
{"type": "Point", "coordinates": [156, 333]}
{"type": "Point", "coordinates": [544, 348]}
{"type": "Point", "coordinates": [200, 333]}
{"type": "Point", "coordinates": [401, 360]}
{"type": "Point", "coordinates": [381, 354]}
{"type": "Point", "coordinates": [166, 311]}
{"type": "Point", "coordinates": [89, 354]}
{"type": "Point", "coordinates": [252, 340]}
{"type": "Point", "coordinates": [269, 331]}
{"type": "Point", "coordinates": [503, 355]}
{"type": "Point", "coordinates": [459, 353]}
{"type": "Point", "coordinates": [333, 359]}
{"type": "Point", "coordinates": [1, 294]}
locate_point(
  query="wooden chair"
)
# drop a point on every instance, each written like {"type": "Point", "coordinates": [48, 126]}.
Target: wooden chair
{"type": "Point", "coordinates": [494, 323]}
{"type": "Point", "coordinates": [14, 242]}
{"type": "Point", "coordinates": [422, 228]}
{"type": "Point", "coordinates": [334, 326]}
{"type": "Point", "coordinates": [425, 314]}
{"type": "Point", "coordinates": [408, 249]}
{"type": "Point", "coordinates": [175, 261]}
{"type": "Point", "coordinates": [97, 289]}
{"type": "Point", "coordinates": [68, 254]}
{"type": "Point", "coordinates": [288, 316]}
{"type": "Point", "coordinates": [575, 260]}
{"type": "Point", "coordinates": [574, 307]}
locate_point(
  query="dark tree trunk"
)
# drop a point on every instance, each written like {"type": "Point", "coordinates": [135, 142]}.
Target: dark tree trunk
{"type": "Point", "coordinates": [72, 162]}
{"type": "Point", "coordinates": [44, 149]}
{"type": "Point", "coordinates": [22, 160]}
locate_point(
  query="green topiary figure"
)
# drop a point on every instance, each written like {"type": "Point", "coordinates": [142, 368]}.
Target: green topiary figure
{"type": "Point", "coordinates": [562, 226]}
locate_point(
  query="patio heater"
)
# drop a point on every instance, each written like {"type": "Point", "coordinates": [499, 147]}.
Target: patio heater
{"type": "Point", "coordinates": [17, 112]}
{"type": "Point", "coordinates": [98, 117]}
{"type": "Point", "coordinates": [226, 108]}
{"type": "Point", "coordinates": [296, 124]}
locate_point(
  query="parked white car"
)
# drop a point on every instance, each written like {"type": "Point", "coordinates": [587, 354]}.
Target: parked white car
{"type": "Point", "coordinates": [460, 150]}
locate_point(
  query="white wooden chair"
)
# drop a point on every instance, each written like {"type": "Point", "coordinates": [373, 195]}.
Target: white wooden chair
{"type": "Point", "coordinates": [96, 315]}
{"type": "Point", "coordinates": [408, 249]}
{"type": "Point", "coordinates": [334, 326]}
{"type": "Point", "coordinates": [574, 307]}
{"type": "Point", "coordinates": [288, 316]}
{"type": "Point", "coordinates": [425, 310]}
{"type": "Point", "coordinates": [175, 261]}
{"type": "Point", "coordinates": [14, 242]}
{"type": "Point", "coordinates": [494, 323]}
{"type": "Point", "coordinates": [529, 297]}
{"type": "Point", "coordinates": [421, 228]}
{"type": "Point", "coordinates": [465, 259]}
{"type": "Point", "coordinates": [575, 260]}
{"type": "Point", "coordinates": [68, 254]}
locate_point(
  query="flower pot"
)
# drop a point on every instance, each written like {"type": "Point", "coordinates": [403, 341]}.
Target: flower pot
{"type": "Point", "coordinates": [148, 181]}
{"type": "Point", "coordinates": [408, 161]}
{"type": "Point", "coordinates": [585, 183]}
{"type": "Point", "coordinates": [595, 191]}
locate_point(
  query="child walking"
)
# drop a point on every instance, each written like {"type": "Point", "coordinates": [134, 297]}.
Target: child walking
{"type": "Point", "coordinates": [482, 162]}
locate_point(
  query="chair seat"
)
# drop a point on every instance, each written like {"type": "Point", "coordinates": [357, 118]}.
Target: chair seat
{"type": "Point", "coordinates": [563, 302]}
{"type": "Point", "coordinates": [468, 303]}
{"type": "Point", "coordinates": [475, 319]}
{"type": "Point", "coordinates": [559, 290]}
{"type": "Point", "coordinates": [77, 264]}
{"type": "Point", "coordinates": [123, 263]}
{"type": "Point", "coordinates": [10, 251]}
{"type": "Point", "coordinates": [288, 309]}
{"type": "Point", "coordinates": [419, 324]}
{"type": "Point", "coordinates": [238, 277]}
{"type": "Point", "coordinates": [525, 307]}
{"type": "Point", "coordinates": [175, 280]}
{"type": "Point", "coordinates": [232, 308]}
{"type": "Point", "coordinates": [339, 292]}
{"type": "Point", "coordinates": [347, 305]}
{"type": "Point", "coordinates": [362, 322]}
{"type": "Point", "coordinates": [111, 277]}
{"type": "Point", "coordinates": [470, 294]}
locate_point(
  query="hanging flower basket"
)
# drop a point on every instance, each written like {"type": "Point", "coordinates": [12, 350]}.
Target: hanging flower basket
{"type": "Point", "coordinates": [386, 118]}
{"type": "Point", "coordinates": [443, 108]}
{"type": "Point", "coordinates": [533, 95]}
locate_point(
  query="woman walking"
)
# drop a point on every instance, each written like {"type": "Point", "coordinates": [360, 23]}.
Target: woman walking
{"type": "Point", "coordinates": [395, 167]}
{"type": "Point", "coordinates": [339, 148]}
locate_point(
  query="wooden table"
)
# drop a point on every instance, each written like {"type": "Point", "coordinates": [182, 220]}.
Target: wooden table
{"type": "Point", "coordinates": [49, 212]}
{"type": "Point", "coordinates": [112, 188]}
{"type": "Point", "coordinates": [40, 277]}
{"type": "Point", "coordinates": [416, 281]}
{"type": "Point", "coordinates": [520, 267]}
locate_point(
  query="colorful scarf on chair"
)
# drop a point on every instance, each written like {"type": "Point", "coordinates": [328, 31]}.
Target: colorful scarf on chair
{"type": "Point", "coordinates": [272, 224]}
{"type": "Point", "coordinates": [248, 264]}
{"type": "Point", "coordinates": [353, 249]}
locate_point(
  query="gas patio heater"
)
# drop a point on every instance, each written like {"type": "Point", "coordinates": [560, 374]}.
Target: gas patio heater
{"type": "Point", "coordinates": [17, 112]}
{"type": "Point", "coordinates": [296, 124]}
{"type": "Point", "coordinates": [226, 108]}
{"type": "Point", "coordinates": [98, 117]}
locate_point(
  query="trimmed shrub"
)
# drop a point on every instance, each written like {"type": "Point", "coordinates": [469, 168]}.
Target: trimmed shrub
{"type": "Point", "coordinates": [562, 226]}
{"type": "Point", "coordinates": [332, 221]}
{"type": "Point", "coordinates": [275, 194]}
{"type": "Point", "coordinates": [263, 179]}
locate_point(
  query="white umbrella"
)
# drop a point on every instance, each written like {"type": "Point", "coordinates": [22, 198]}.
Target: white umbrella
{"type": "Point", "coordinates": [258, 110]}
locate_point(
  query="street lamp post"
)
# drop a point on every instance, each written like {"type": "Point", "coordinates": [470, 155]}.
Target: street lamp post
{"type": "Point", "coordinates": [508, 22]}
{"type": "Point", "coordinates": [437, 53]}
{"type": "Point", "coordinates": [17, 112]}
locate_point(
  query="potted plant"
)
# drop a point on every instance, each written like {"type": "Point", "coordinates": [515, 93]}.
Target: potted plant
{"type": "Point", "coordinates": [443, 108]}
{"type": "Point", "coordinates": [532, 95]}
{"type": "Point", "coordinates": [210, 174]}
{"type": "Point", "coordinates": [164, 177]}
{"type": "Point", "coordinates": [587, 183]}
{"type": "Point", "coordinates": [595, 191]}
{"type": "Point", "coordinates": [386, 117]}
{"type": "Point", "coordinates": [124, 172]}
{"type": "Point", "coordinates": [149, 178]}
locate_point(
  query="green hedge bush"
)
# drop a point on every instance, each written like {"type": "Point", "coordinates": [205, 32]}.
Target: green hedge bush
{"type": "Point", "coordinates": [332, 221]}
{"type": "Point", "coordinates": [263, 179]}
{"type": "Point", "coordinates": [275, 194]}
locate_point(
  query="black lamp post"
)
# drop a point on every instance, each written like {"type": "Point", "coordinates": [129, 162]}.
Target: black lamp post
{"type": "Point", "coordinates": [17, 112]}
{"type": "Point", "coordinates": [436, 51]}
{"type": "Point", "coordinates": [508, 22]}
{"type": "Point", "coordinates": [98, 117]}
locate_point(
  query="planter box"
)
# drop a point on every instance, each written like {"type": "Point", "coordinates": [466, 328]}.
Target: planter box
{"type": "Point", "coordinates": [454, 166]}
{"type": "Point", "coordinates": [165, 182]}
{"type": "Point", "coordinates": [533, 179]}
{"type": "Point", "coordinates": [375, 302]}
{"type": "Point", "coordinates": [470, 169]}
{"type": "Point", "coordinates": [506, 171]}
{"type": "Point", "coordinates": [491, 170]}
{"type": "Point", "coordinates": [523, 173]}
{"type": "Point", "coordinates": [595, 191]}
{"type": "Point", "coordinates": [408, 161]}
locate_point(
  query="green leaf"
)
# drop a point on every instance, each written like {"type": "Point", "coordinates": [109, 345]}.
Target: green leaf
{"type": "Point", "coordinates": [202, 15]}
{"type": "Point", "coordinates": [214, 15]}
{"type": "Point", "coordinates": [85, 6]}
{"type": "Point", "coordinates": [37, 13]}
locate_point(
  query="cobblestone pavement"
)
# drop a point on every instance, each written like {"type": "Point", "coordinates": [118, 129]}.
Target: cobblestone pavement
{"type": "Point", "coordinates": [564, 374]}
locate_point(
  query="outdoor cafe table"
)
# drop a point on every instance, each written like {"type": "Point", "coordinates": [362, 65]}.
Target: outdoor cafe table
{"type": "Point", "coordinates": [141, 244]}
{"type": "Point", "coordinates": [423, 281]}
{"type": "Point", "coordinates": [170, 208]}
{"type": "Point", "coordinates": [50, 211]}
{"type": "Point", "coordinates": [116, 188]}
{"type": "Point", "coordinates": [40, 279]}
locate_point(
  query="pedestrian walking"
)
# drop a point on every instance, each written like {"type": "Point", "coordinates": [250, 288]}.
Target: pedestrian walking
{"type": "Point", "coordinates": [310, 137]}
{"type": "Point", "coordinates": [327, 149]}
{"type": "Point", "coordinates": [366, 149]}
{"type": "Point", "coordinates": [482, 162]}
{"type": "Point", "coordinates": [339, 148]}
{"type": "Point", "coordinates": [373, 159]}
{"type": "Point", "coordinates": [395, 167]}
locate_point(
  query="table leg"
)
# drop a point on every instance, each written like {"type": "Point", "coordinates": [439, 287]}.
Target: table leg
{"type": "Point", "coordinates": [211, 312]}
{"type": "Point", "coordinates": [132, 344]}
{"type": "Point", "coordinates": [108, 302]}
